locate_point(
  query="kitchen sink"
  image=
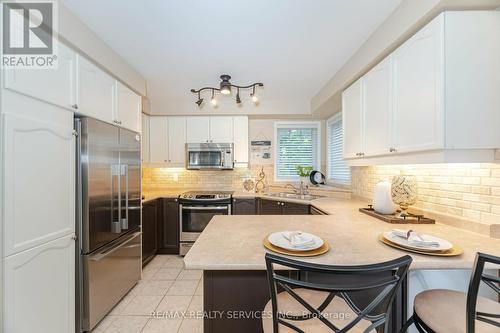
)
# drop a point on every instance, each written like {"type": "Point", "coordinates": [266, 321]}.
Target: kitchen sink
{"type": "Point", "coordinates": [293, 195]}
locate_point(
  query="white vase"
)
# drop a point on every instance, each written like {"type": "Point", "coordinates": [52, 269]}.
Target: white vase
{"type": "Point", "coordinates": [382, 199]}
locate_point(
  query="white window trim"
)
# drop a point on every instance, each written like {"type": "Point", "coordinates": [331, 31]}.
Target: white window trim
{"type": "Point", "coordinates": [297, 124]}
{"type": "Point", "coordinates": [329, 180]}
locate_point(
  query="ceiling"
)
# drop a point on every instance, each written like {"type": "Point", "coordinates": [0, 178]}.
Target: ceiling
{"type": "Point", "coordinates": [293, 46]}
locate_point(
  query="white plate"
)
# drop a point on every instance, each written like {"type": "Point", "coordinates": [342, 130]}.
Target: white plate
{"type": "Point", "coordinates": [277, 239]}
{"type": "Point", "coordinates": [444, 245]}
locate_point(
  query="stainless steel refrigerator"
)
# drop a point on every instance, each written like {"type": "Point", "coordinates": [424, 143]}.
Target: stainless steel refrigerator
{"type": "Point", "coordinates": [108, 217]}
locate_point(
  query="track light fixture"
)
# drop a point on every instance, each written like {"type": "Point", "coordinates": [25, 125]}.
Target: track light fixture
{"type": "Point", "coordinates": [225, 89]}
{"type": "Point", "coordinates": [238, 99]}
{"type": "Point", "coordinates": [254, 97]}
{"type": "Point", "coordinates": [200, 100]}
{"type": "Point", "coordinates": [213, 100]}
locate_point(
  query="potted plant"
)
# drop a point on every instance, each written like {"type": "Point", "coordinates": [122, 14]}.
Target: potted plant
{"type": "Point", "coordinates": [304, 172]}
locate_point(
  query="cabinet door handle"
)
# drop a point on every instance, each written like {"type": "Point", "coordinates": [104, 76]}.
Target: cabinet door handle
{"type": "Point", "coordinates": [75, 106]}
{"type": "Point", "coordinates": [392, 149]}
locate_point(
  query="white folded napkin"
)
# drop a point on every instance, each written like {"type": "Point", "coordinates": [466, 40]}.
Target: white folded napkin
{"type": "Point", "coordinates": [414, 238]}
{"type": "Point", "coordinates": [298, 239]}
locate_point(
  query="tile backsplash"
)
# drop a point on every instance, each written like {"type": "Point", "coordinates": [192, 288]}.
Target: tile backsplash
{"type": "Point", "coordinates": [468, 191]}
{"type": "Point", "coordinates": [168, 178]}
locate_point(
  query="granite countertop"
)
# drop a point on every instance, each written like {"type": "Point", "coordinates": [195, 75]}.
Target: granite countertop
{"type": "Point", "coordinates": [353, 237]}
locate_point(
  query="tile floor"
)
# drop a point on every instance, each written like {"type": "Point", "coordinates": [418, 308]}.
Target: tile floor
{"type": "Point", "coordinates": [172, 293]}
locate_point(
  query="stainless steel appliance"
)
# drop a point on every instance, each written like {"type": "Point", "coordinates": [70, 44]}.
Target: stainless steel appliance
{"type": "Point", "coordinates": [108, 217]}
{"type": "Point", "coordinates": [196, 209]}
{"type": "Point", "coordinates": [217, 156]}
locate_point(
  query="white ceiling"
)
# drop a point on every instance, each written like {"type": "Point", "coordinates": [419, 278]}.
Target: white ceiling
{"type": "Point", "coordinates": [293, 46]}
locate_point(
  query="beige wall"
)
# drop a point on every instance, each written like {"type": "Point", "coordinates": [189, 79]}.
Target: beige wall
{"type": "Point", "coordinates": [75, 33]}
{"type": "Point", "coordinates": [408, 18]}
{"type": "Point", "coordinates": [470, 191]}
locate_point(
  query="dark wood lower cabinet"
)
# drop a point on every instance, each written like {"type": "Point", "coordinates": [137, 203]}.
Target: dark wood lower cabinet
{"type": "Point", "coordinates": [149, 230]}
{"type": "Point", "coordinates": [291, 208]}
{"type": "Point", "coordinates": [274, 207]}
{"type": "Point", "coordinates": [234, 301]}
{"type": "Point", "coordinates": [269, 207]}
{"type": "Point", "coordinates": [168, 227]}
{"type": "Point", "coordinates": [244, 206]}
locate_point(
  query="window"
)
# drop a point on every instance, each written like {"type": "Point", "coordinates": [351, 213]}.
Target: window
{"type": "Point", "coordinates": [297, 143]}
{"type": "Point", "coordinates": [338, 171]}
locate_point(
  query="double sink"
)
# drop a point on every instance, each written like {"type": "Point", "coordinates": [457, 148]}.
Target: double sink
{"type": "Point", "coordinates": [293, 195]}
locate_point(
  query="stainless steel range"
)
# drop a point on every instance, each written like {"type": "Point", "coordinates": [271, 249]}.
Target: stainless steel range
{"type": "Point", "coordinates": [196, 209]}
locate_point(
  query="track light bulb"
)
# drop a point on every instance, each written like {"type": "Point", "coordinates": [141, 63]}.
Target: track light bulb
{"type": "Point", "coordinates": [255, 99]}
{"type": "Point", "coordinates": [213, 101]}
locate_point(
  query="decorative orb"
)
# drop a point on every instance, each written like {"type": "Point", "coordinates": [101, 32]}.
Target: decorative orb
{"type": "Point", "coordinates": [404, 192]}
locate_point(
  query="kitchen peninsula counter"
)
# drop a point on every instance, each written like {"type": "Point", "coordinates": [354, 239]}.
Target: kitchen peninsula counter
{"type": "Point", "coordinates": [231, 254]}
{"type": "Point", "coordinates": [353, 238]}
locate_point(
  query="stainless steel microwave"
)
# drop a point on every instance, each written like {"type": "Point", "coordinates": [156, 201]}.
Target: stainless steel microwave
{"type": "Point", "coordinates": [214, 156]}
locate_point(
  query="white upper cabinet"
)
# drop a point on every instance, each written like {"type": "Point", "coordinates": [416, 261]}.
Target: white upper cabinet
{"type": "Point", "coordinates": [377, 111]}
{"type": "Point", "coordinates": [168, 137]}
{"type": "Point", "coordinates": [145, 138]}
{"type": "Point", "coordinates": [221, 129]}
{"type": "Point", "coordinates": [55, 86]}
{"type": "Point", "coordinates": [240, 134]}
{"type": "Point", "coordinates": [39, 174]}
{"type": "Point", "coordinates": [198, 129]}
{"type": "Point", "coordinates": [418, 90]}
{"type": "Point", "coordinates": [434, 99]}
{"type": "Point", "coordinates": [177, 141]}
{"type": "Point", "coordinates": [96, 91]}
{"type": "Point", "coordinates": [352, 117]}
{"type": "Point", "coordinates": [158, 135]}
{"type": "Point", "coordinates": [127, 112]}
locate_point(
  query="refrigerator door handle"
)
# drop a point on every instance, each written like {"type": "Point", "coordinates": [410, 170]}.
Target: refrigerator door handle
{"type": "Point", "coordinates": [105, 253]}
{"type": "Point", "coordinates": [124, 221]}
{"type": "Point", "coordinates": [115, 181]}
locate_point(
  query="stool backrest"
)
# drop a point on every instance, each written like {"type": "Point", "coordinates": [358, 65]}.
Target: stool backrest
{"type": "Point", "coordinates": [478, 276]}
{"type": "Point", "coordinates": [369, 290]}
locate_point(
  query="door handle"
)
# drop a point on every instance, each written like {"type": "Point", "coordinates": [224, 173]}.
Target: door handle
{"type": "Point", "coordinates": [124, 173]}
{"type": "Point", "coordinates": [115, 182]}
{"type": "Point", "coordinates": [99, 256]}
{"type": "Point", "coordinates": [205, 208]}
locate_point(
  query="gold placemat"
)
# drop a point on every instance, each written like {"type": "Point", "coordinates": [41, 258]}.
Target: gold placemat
{"type": "Point", "coordinates": [316, 252]}
{"type": "Point", "coordinates": [454, 251]}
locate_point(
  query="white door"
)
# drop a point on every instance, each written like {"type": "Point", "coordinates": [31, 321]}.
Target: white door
{"type": "Point", "coordinates": [39, 288]}
{"type": "Point", "coordinates": [177, 140]}
{"type": "Point", "coordinates": [56, 86]}
{"type": "Point", "coordinates": [145, 138]}
{"type": "Point", "coordinates": [352, 118]}
{"type": "Point", "coordinates": [197, 129]}
{"type": "Point", "coordinates": [418, 90]}
{"type": "Point", "coordinates": [240, 133]}
{"type": "Point", "coordinates": [377, 110]}
{"type": "Point", "coordinates": [221, 129]}
{"type": "Point", "coordinates": [39, 180]}
{"type": "Point", "coordinates": [158, 135]}
{"type": "Point", "coordinates": [95, 91]}
{"type": "Point", "coordinates": [128, 108]}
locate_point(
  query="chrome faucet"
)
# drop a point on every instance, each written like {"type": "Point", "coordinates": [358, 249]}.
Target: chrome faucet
{"type": "Point", "coordinates": [303, 189]}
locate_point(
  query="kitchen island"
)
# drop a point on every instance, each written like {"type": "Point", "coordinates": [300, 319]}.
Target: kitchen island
{"type": "Point", "coordinates": [231, 254]}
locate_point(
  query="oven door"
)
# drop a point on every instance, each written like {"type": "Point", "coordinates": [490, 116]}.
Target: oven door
{"type": "Point", "coordinates": [208, 159]}
{"type": "Point", "coordinates": [194, 219]}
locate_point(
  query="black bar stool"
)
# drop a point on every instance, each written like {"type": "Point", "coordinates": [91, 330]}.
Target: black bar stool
{"type": "Point", "coordinates": [324, 298]}
{"type": "Point", "coordinates": [443, 310]}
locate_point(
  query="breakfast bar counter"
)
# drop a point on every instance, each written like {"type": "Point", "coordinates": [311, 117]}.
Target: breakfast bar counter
{"type": "Point", "coordinates": [234, 242]}
{"type": "Point", "coordinates": [230, 251]}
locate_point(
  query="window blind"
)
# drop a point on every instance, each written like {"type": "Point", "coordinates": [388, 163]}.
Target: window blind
{"type": "Point", "coordinates": [296, 146]}
{"type": "Point", "coordinates": [338, 171]}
